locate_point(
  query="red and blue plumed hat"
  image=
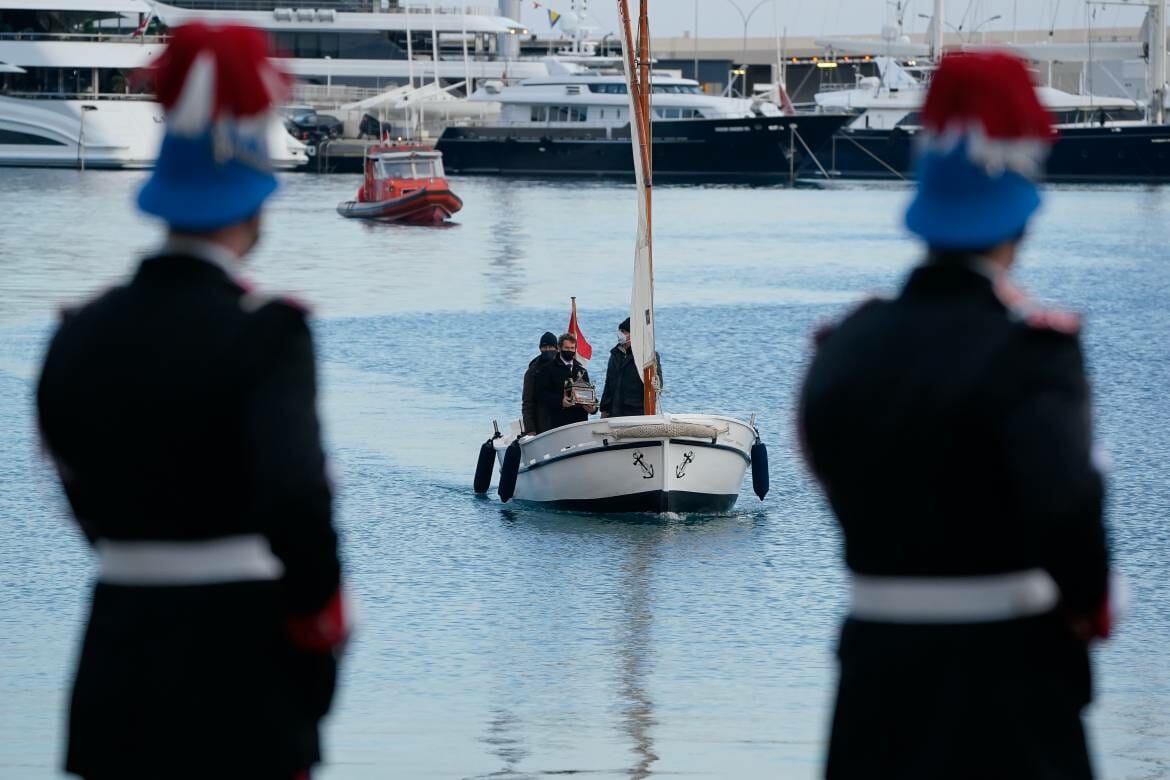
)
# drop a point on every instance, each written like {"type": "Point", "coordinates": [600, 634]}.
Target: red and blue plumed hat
{"type": "Point", "coordinates": [217, 87]}
{"type": "Point", "coordinates": [982, 148]}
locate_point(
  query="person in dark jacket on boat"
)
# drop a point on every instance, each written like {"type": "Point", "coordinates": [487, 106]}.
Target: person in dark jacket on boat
{"type": "Point", "coordinates": [180, 411]}
{"type": "Point", "coordinates": [624, 393]}
{"type": "Point", "coordinates": [950, 430]}
{"type": "Point", "coordinates": [552, 383]}
{"type": "Point", "coordinates": [531, 410]}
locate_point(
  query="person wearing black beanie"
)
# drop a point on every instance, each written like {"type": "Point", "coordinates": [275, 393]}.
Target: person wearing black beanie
{"type": "Point", "coordinates": [624, 395]}
{"type": "Point", "coordinates": [530, 409]}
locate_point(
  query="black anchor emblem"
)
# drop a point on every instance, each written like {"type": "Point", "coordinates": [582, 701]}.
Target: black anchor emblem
{"type": "Point", "coordinates": [647, 469]}
{"type": "Point", "coordinates": [680, 470]}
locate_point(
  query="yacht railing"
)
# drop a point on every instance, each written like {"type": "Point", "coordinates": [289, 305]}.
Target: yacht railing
{"type": "Point", "coordinates": [338, 93]}
{"type": "Point", "coordinates": [836, 87]}
{"type": "Point", "coordinates": [123, 37]}
{"type": "Point", "coordinates": [76, 95]}
{"type": "Point", "coordinates": [338, 7]}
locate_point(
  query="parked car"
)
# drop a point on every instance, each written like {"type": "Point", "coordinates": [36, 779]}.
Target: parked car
{"type": "Point", "coordinates": [312, 128]}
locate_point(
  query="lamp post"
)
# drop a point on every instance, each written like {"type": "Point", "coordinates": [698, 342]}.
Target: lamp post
{"type": "Point", "coordinates": [959, 30]}
{"type": "Point", "coordinates": [696, 73]}
{"type": "Point", "coordinates": [988, 20]}
{"type": "Point", "coordinates": [328, 75]}
{"type": "Point", "coordinates": [743, 51]}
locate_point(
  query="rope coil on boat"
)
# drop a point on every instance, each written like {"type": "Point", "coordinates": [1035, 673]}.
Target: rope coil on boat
{"type": "Point", "coordinates": [665, 430]}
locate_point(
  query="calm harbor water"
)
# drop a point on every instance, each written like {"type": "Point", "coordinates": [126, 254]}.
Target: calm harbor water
{"type": "Point", "coordinates": [501, 642]}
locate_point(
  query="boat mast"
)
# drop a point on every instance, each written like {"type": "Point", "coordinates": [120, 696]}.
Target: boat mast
{"type": "Point", "coordinates": [409, 49]}
{"type": "Point", "coordinates": [638, 86]}
{"type": "Point", "coordinates": [1158, 75]}
{"type": "Point", "coordinates": [936, 32]}
{"type": "Point", "coordinates": [435, 44]}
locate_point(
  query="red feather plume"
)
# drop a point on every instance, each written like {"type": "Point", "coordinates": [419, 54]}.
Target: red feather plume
{"type": "Point", "coordinates": [993, 89]}
{"type": "Point", "coordinates": [247, 84]}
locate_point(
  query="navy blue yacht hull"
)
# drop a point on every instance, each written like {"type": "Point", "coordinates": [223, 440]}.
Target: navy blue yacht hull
{"type": "Point", "coordinates": [750, 150]}
{"type": "Point", "coordinates": [1135, 154]}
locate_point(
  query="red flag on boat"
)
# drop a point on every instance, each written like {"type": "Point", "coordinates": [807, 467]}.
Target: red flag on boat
{"type": "Point", "coordinates": [584, 351]}
{"type": "Point", "coordinates": [146, 20]}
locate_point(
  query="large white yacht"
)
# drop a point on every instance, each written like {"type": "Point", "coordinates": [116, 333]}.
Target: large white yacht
{"type": "Point", "coordinates": [67, 97]}
{"type": "Point", "coordinates": [576, 121]}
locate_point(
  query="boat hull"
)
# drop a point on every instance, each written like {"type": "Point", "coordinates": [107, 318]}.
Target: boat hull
{"type": "Point", "coordinates": [114, 134]}
{"type": "Point", "coordinates": [424, 207]}
{"type": "Point", "coordinates": [586, 467]}
{"type": "Point", "coordinates": [1128, 154]}
{"type": "Point", "coordinates": [749, 150]}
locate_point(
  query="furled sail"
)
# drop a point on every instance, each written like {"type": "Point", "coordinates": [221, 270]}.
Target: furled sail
{"type": "Point", "coordinates": [637, 71]}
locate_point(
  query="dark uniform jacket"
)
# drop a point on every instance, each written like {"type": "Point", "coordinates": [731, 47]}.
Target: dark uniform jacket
{"type": "Point", "coordinates": [624, 393]}
{"type": "Point", "coordinates": [532, 411]}
{"type": "Point", "coordinates": [179, 408]}
{"type": "Point", "coordinates": [951, 436]}
{"type": "Point", "coordinates": [550, 385]}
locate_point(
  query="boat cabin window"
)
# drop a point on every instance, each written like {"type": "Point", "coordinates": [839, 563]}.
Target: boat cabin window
{"type": "Point", "coordinates": [558, 114]}
{"type": "Point", "coordinates": [673, 89]}
{"type": "Point", "coordinates": [678, 113]}
{"type": "Point", "coordinates": [408, 169]}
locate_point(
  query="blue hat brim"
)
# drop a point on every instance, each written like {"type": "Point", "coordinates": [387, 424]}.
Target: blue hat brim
{"type": "Point", "coordinates": [191, 191]}
{"type": "Point", "coordinates": [960, 206]}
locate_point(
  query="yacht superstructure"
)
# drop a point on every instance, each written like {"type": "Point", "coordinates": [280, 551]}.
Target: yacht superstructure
{"type": "Point", "coordinates": [334, 45]}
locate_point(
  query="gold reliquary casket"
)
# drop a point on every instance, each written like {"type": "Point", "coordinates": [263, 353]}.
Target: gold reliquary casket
{"type": "Point", "coordinates": [581, 392]}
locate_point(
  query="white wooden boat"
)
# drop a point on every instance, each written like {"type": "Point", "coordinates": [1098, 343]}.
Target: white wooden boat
{"type": "Point", "coordinates": [653, 463]}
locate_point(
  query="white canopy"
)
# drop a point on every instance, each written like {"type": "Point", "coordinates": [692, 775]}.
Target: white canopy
{"type": "Point", "coordinates": [387, 99]}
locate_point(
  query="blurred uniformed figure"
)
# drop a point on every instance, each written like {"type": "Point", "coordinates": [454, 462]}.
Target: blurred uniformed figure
{"type": "Point", "coordinates": [950, 430]}
{"type": "Point", "coordinates": [180, 410]}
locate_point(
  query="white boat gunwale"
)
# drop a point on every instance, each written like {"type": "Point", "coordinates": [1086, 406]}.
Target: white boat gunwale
{"type": "Point", "coordinates": [589, 448]}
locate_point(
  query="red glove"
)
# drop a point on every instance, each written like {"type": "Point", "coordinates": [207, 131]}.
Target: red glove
{"type": "Point", "coordinates": [321, 631]}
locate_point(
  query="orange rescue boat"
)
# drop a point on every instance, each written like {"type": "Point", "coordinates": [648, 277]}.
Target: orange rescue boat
{"type": "Point", "coordinates": [403, 184]}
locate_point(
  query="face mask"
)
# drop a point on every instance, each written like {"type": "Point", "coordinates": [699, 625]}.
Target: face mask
{"type": "Point", "coordinates": [623, 338]}
{"type": "Point", "coordinates": [567, 356]}
{"type": "Point", "coordinates": [547, 356]}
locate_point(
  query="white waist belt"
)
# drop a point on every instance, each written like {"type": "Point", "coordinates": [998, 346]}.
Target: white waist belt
{"type": "Point", "coordinates": [203, 562]}
{"type": "Point", "coordinates": [953, 599]}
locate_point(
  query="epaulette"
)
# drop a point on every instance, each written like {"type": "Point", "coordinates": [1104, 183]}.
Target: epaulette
{"type": "Point", "coordinates": [68, 311]}
{"type": "Point", "coordinates": [253, 301]}
{"type": "Point", "coordinates": [822, 332]}
{"type": "Point", "coordinates": [1066, 322]}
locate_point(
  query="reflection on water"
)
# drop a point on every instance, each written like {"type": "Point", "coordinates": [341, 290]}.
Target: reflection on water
{"type": "Point", "coordinates": [505, 740]}
{"type": "Point", "coordinates": [636, 653]}
{"type": "Point", "coordinates": [509, 244]}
